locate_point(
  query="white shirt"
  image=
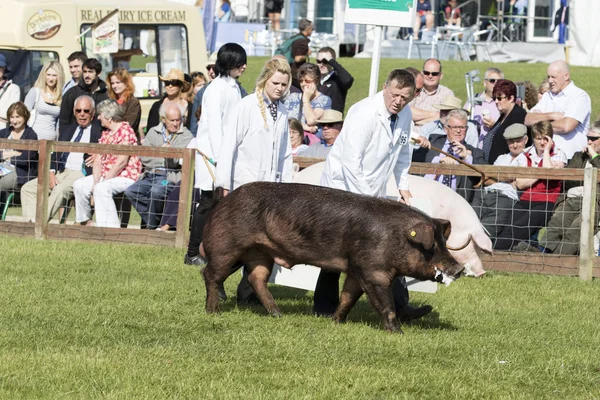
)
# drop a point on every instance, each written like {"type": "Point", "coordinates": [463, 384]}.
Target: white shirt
{"type": "Point", "coordinates": [218, 101]}
{"type": "Point", "coordinates": [559, 156]}
{"type": "Point", "coordinates": [507, 160]}
{"type": "Point", "coordinates": [75, 160]}
{"type": "Point", "coordinates": [249, 151]}
{"type": "Point", "coordinates": [367, 152]}
{"type": "Point", "coordinates": [574, 103]}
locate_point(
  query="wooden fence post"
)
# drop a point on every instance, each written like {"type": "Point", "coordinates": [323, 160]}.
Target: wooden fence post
{"type": "Point", "coordinates": [185, 198]}
{"type": "Point", "coordinates": [41, 211]}
{"type": "Point", "coordinates": [588, 213]}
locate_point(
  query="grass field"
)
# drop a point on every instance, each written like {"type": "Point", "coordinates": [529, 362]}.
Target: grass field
{"type": "Point", "coordinates": [454, 76]}
{"type": "Point", "coordinates": [125, 322]}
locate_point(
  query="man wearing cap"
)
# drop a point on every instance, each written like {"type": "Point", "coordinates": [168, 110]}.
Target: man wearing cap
{"type": "Point", "coordinates": [372, 146]}
{"type": "Point", "coordinates": [499, 198]}
{"type": "Point", "coordinates": [9, 92]}
{"type": "Point", "coordinates": [437, 127]}
{"type": "Point", "coordinates": [331, 122]}
{"type": "Point", "coordinates": [563, 230]}
{"type": "Point", "coordinates": [452, 142]}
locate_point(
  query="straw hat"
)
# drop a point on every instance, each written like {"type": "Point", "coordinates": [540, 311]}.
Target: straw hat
{"type": "Point", "coordinates": [212, 60]}
{"type": "Point", "coordinates": [515, 131]}
{"type": "Point", "coordinates": [177, 75]}
{"type": "Point", "coordinates": [330, 117]}
{"type": "Point", "coordinates": [449, 103]}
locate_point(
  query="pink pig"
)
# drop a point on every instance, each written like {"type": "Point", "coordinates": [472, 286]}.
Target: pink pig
{"type": "Point", "coordinates": [446, 204]}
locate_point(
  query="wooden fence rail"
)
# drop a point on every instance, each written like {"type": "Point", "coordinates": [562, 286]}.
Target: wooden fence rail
{"type": "Point", "coordinates": [586, 266]}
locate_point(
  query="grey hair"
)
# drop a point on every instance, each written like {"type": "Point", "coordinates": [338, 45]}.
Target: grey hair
{"type": "Point", "coordinates": [85, 97]}
{"type": "Point", "coordinates": [493, 70]}
{"type": "Point", "coordinates": [162, 111]}
{"type": "Point", "coordinates": [110, 109]}
{"type": "Point", "coordinates": [458, 114]}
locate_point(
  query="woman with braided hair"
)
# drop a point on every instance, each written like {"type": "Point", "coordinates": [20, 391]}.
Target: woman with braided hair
{"type": "Point", "coordinates": [256, 145]}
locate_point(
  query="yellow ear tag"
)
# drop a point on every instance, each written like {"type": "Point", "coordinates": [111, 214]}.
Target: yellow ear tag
{"type": "Point", "coordinates": [413, 234]}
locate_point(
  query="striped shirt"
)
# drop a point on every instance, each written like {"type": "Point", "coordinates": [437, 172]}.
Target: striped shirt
{"type": "Point", "coordinates": [426, 100]}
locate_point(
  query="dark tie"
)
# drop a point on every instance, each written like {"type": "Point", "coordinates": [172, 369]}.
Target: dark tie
{"type": "Point", "coordinates": [393, 119]}
{"type": "Point", "coordinates": [447, 179]}
{"type": "Point", "coordinates": [65, 155]}
{"type": "Point", "coordinates": [273, 110]}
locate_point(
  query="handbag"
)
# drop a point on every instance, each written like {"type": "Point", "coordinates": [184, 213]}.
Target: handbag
{"type": "Point", "coordinates": [33, 112]}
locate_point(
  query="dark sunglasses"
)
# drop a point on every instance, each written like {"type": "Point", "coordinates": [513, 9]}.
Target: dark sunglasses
{"type": "Point", "coordinates": [329, 124]}
{"type": "Point", "coordinates": [491, 80]}
{"type": "Point", "coordinates": [210, 67]}
{"type": "Point", "coordinates": [593, 138]}
{"type": "Point", "coordinates": [82, 110]}
{"type": "Point", "coordinates": [499, 98]}
{"type": "Point", "coordinates": [427, 73]}
{"type": "Point", "coordinates": [174, 82]}
{"type": "Point", "coordinates": [323, 61]}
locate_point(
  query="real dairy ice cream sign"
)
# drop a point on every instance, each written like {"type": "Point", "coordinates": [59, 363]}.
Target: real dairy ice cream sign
{"type": "Point", "coordinates": [381, 12]}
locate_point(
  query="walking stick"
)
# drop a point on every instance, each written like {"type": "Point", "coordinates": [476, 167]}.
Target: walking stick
{"type": "Point", "coordinates": [207, 160]}
{"type": "Point", "coordinates": [483, 177]}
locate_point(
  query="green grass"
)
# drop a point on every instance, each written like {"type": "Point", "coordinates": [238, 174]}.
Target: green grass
{"type": "Point", "coordinates": [454, 76]}
{"type": "Point", "coordinates": [81, 320]}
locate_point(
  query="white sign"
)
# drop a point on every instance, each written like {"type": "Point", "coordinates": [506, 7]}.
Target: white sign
{"type": "Point", "coordinates": [105, 37]}
{"type": "Point", "coordinates": [381, 12]}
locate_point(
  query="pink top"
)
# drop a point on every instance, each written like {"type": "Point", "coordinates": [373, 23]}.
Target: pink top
{"type": "Point", "coordinates": [126, 136]}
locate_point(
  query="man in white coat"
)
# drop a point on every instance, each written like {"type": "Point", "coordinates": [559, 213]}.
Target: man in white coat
{"type": "Point", "coordinates": [373, 145]}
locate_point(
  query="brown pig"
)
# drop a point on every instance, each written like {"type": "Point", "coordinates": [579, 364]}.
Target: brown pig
{"type": "Point", "coordinates": [372, 240]}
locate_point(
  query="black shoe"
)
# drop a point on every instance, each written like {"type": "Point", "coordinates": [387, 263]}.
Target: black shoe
{"type": "Point", "coordinates": [408, 312]}
{"type": "Point", "coordinates": [194, 260]}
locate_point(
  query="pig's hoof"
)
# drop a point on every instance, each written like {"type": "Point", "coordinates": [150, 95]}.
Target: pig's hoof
{"type": "Point", "coordinates": [276, 314]}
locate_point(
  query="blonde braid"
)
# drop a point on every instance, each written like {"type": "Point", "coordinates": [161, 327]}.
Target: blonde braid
{"type": "Point", "coordinates": [261, 105]}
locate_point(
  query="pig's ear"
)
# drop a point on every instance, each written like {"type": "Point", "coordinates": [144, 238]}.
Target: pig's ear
{"type": "Point", "coordinates": [421, 234]}
{"type": "Point", "coordinates": [445, 226]}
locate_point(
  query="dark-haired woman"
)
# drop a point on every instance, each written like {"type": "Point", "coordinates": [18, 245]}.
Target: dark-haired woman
{"type": "Point", "coordinates": [218, 101]}
{"type": "Point", "coordinates": [504, 94]}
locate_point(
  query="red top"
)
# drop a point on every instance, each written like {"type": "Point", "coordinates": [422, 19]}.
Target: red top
{"type": "Point", "coordinates": [542, 189]}
{"type": "Point", "coordinates": [124, 135]}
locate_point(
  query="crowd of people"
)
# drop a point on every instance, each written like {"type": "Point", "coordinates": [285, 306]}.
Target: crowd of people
{"type": "Point", "coordinates": [300, 113]}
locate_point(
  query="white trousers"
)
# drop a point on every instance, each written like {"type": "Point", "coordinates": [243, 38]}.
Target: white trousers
{"type": "Point", "coordinates": [104, 205]}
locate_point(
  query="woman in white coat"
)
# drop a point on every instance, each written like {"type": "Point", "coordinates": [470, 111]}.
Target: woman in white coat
{"type": "Point", "coordinates": [256, 144]}
{"type": "Point", "coordinates": [218, 101]}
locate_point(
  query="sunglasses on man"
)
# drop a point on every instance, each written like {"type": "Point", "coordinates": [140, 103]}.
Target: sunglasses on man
{"type": "Point", "coordinates": [82, 110]}
{"type": "Point", "coordinates": [432, 73]}
{"type": "Point", "coordinates": [491, 80]}
{"type": "Point", "coordinates": [593, 138]}
{"type": "Point", "coordinates": [323, 62]}
{"type": "Point", "coordinates": [174, 82]}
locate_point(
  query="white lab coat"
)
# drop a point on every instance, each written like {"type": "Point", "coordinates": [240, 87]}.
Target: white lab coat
{"type": "Point", "coordinates": [367, 152]}
{"type": "Point", "coordinates": [250, 152]}
{"type": "Point", "coordinates": [218, 101]}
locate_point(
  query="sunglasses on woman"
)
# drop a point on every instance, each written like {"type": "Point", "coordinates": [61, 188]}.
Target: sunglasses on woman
{"type": "Point", "coordinates": [174, 82]}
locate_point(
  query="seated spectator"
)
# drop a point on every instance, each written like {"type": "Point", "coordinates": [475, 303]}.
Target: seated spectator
{"type": "Point", "coordinates": [534, 208]}
{"type": "Point", "coordinates": [566, 106]}
{"type": "Point", "coordinates": [168, 222]}
{"type": "Point", "coordinates": [43, 101]}
{"type": "Point", "coordinates": [309, 105]}
{"type": "Point", "coordinates": [486, 114]}
{"type": "Point", "coordinates": [175, 85]}
{"type": "Point", "coordinates": [335, 80]}
{"type": "Point", "coordinates": [121, 89]}
{"type": "Point", "coordinates": [499, 198]}
{"type": "Point", "coordinates": [505, 93]}
{"type": "Point", "coordinates": [198, 82]}
{"type": "Point", "coordinates": [66, 168]}
{"type": "Point", "coordinates": [111, 174]}
{"type": "Point", "coordinates": [424, 17]}
{"type": "Point", "coordinates": [563, 232]}
{"type": "Point", "coordinates": [437, 127]}
{"type": "Point", "coordinates": [160, 174]}
{"type": "Point", "coordinates": [331, 122]}
{"type": "Point", "coordinates": [17, 167]}
{"type": "Point", "coordinates": [9, 92]}
{"type": "Point", "coordinates": [452, 142]}
{"type": "Point", "coordinates": [296, 136]}
{"type": "Point", "coordinates": [452, 19]}
{"type": "Point", "coordinates": [433, 93]}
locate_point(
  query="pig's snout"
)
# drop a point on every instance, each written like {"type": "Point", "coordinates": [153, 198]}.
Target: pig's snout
{"type": "Point", "coordinates": [445, 278]}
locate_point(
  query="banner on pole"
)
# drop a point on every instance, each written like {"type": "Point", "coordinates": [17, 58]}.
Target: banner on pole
{"type": "Point", "coordinates": [381, 12]}
{"type": "Point", "coordinates": [105, 37]}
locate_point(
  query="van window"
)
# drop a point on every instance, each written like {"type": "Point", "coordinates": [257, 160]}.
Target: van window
{"type": "Point", "coordinates": [145, 50]}
{"type": "Point", "coordinates": [26, 66]}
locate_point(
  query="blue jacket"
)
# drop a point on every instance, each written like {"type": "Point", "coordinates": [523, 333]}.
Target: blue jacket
{"type": "Point", "coordinates": [26, 165]}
